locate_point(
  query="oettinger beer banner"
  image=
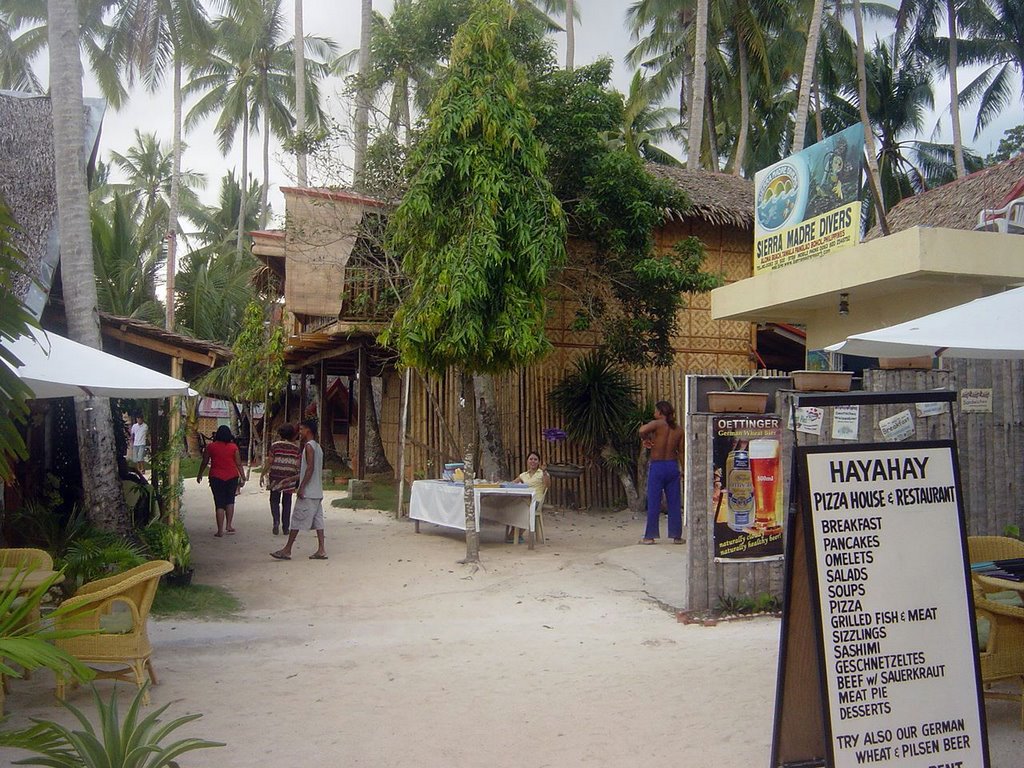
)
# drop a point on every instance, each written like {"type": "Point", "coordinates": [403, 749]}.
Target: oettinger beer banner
{"type": "Point", "coordinates": [746, 495]}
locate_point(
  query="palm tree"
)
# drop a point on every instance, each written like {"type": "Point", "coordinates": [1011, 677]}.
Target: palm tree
{"type": "Point", "coordinates": [249, 79]}
{"type": "Point", "coordinates": [921, 20]}
{"type": "Point", "coordinates": [700, 73]}
{"type": "Point", "coordinates": [104, 499]}
{"type": "Point", "coordinates": [147, 36]}
{"type": "Point", "coordinates": [862, 104]}
{"type": "Point", "coordinates": [126, 262]}
{"type": "Point", "coordinates": [643, 124]}
{"type": "Point", "coordinates": [807, 75]}
{"type": "Point", "coordinates": [27, 21]}
{"type": "Point", "coordinates": [997, 43]}
{"type": "Point", "coordinates": [362, 116]}
{"type": "Point", "coordinates": [150, 184]}
{"type": "Point", "coordinates": [301, 176]}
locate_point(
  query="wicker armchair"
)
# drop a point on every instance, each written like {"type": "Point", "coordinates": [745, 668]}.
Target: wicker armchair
{"type": "Point", "coordinates": [29, 559]}
{"type": "Point", "coordinates": [1003, 656]}
{"type": "Point", "coordinates": [981, 549]}
{"type": "Point", "coordinates": [118, 607]}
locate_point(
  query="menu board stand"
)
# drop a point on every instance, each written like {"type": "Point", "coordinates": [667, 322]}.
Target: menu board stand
{"type": "Point", "coordinates": [878, 661]}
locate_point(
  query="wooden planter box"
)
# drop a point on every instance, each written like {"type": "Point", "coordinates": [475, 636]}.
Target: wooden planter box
{"type": "Point", "coordinates": [737, 402]}
{"type": "Point", "coordinates": [917, 363]}
{"type": "Point", "coordinates": [822, 381]}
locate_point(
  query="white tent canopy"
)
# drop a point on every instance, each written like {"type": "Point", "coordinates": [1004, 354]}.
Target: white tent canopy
{"type": "Point", "coordinates": [54, 366]}
{"type": "Point", "coordinates": [988, 328]}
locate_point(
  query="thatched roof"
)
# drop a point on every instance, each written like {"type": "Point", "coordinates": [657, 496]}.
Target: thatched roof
{"type": "Point", "coordinates": [718, 198]}
{"type": "Point", "coordinates": [28, 184]}
{"type": "Point", "coordinates": [956, 205]}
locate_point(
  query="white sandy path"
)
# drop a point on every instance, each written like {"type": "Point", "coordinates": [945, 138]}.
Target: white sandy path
{"type": "Point", "coordinates": [392, 654]}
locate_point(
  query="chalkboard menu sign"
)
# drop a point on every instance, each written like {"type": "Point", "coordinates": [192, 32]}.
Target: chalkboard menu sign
{"type": "Point", "coordinates": [890, 605]}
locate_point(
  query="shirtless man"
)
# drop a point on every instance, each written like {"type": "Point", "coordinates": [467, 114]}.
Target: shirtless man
{"type": "Point", "coordinates": [665, 439]}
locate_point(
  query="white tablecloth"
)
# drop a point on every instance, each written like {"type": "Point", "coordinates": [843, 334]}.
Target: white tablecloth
{"type": "Point", "coordinates": [440, 502]}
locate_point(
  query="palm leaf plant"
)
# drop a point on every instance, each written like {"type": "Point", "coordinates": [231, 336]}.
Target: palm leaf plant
{"type": "Point", "coordinates": [134, 742]}
{"type": "Point", "coordinates": [597, 400]}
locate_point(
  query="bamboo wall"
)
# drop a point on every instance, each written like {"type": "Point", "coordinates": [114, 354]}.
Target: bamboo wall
{"type": "Point", "coordinates": [702, 345]}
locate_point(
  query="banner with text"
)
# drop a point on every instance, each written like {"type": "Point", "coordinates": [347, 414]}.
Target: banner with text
{"type": "Point", "coordinates": [809, 203]}
{"type": "Point", "coordinates": [747, 491]}
{"type": "Point", "coordinates": [897, 628]}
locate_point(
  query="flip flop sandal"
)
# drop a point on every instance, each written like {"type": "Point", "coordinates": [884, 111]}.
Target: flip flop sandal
{"type": "Point", "coordinates": [315, 556]}
{"type": "Point", "coordinates": [280, 556]}
{"type": "Point", "coordinates": [647, 542]}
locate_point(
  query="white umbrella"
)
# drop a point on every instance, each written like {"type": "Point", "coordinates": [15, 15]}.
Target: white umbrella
{"type": "Point", "coordinates": [990, 328]}
{"type": "Point", "coordinates": [53, 366]}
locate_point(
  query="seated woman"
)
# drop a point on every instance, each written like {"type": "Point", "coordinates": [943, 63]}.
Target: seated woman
{"type": "Point", "coordinates": [538, 480]}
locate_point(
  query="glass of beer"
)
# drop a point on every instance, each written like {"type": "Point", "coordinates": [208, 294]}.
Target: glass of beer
{"type": "Point", "coordinates": [764, 467]}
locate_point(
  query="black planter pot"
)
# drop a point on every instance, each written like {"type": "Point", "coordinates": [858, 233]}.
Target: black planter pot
{"type": "Point", "coordinates": [569, 471]}
{"type": "Point", "coordinates": [179, 578]}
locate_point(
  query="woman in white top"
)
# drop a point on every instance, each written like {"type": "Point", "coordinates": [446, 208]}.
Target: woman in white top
{"type": "Point", "coordinates": [538, 480]}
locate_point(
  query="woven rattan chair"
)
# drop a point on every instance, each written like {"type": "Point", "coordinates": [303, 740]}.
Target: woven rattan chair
{"type": "Point", "coordinates": [981, 549]}
{"type": "Point", "coordinates": [118, 607]}
{"type": "Point", "coordinates": [30, 559]}
{"type": "Point", "coordinates": [1003, 656]}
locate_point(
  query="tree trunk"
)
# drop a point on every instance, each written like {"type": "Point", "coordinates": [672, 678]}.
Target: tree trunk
{"type": "Point", "coordinates": [362, 116]}
{"type": "Point", "coordinates": [265, 189]}
{"type": "Point", "coordinates": [869, 136]}
{"type": "Point", "coordinates": [819, 129]}
{"type": "Point", "coordinates": [954, 92]}
{"type": "Point", "coordinates": [192, 426]}
{"type": "Point", "coordinates": [570, 34]}
{"type": "Point", "coordinates": [696, 112]}
{"type": "Point", "coordinates": [104, 500]}
{"type": "Point", "coordinates": [376, 459]}
{"type": "Point", "coordinates": [807, 77]}
{"type": "Point", "coordinates": [493, 463]}
{"type": "Point", "coordinates": [243, 201]}
{"type": "Point", "coordinates": [741, 140]}
{"type": "Point", "coordinates": [301, 177]}
{"type": "Point", "coordinates": [712, 131]}
{"type": "Point", "coordinates": [632, 497]}
{"type": "Point", "coordinates": [467, 435]}
{"type": "Point", "coordinates": [175, 206]}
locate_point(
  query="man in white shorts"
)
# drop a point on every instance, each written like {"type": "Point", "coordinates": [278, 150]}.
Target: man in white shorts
{"type": "Point", "coordinates": [308, 509]}
{"type": "Point", "coordinates": [140, 435]}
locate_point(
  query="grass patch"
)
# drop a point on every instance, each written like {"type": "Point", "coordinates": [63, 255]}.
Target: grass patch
{"type": "Point", "coordinates": [197, 601]}
{"type": "Point", "coordinates": [188, 466]}
{"type": "Point", "coordinates": [383, 493]}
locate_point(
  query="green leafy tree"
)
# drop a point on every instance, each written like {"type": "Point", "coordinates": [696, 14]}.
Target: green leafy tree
{"type": "Point", "coordinates": [479, 230]}
{"type": "Point", "coordinates": [256, 373]}
{"type": "Point", "coordinates": [1011, 145]}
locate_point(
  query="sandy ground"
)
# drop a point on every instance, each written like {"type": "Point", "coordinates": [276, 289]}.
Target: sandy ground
{"type": "Point", "coordinates": [392, 654]}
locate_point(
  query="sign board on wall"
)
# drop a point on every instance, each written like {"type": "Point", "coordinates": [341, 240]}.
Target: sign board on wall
{"type": "Point", "coordinates": [809, 203]}
{"type": "Point", "coordinates": [747, 491]}
{"type": "Point", "coordinates": [883, 539]}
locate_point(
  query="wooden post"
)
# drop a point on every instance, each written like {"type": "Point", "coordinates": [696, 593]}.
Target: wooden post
{"type": "Point", "coordinates": [173, 423]}
{"type": "Point", "coordinates": [403, 426]}
{"type": "Point", "coordinates": [364, 390]}
{"type": "Point", "coordinates": [302, 394]}
{"type": "Point", "coordinates": [321, 389]}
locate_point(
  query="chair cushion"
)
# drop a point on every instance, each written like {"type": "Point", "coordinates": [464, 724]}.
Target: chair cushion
{"type": "Point", "coordinates": [1007, 597]}
{"type": "Point", "coordinates": [116, 622]}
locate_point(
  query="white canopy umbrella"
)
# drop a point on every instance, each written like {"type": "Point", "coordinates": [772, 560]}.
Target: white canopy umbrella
{"type": "Point", "coordinates": [988, 328]}
{"type": "Point", "coordinates": [54, 366]}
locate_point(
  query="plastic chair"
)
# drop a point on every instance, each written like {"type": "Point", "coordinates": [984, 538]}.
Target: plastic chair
{"type": "Point", "coordinates": [117, 610]}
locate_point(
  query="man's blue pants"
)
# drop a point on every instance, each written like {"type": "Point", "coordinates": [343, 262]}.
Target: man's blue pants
{"type": "Point", "coordinates": [663, 477]}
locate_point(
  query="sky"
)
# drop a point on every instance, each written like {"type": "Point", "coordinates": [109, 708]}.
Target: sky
{"type": "Point", "coordinates": [602, 31]}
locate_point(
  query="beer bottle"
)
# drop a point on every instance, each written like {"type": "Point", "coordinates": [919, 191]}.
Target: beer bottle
{"type": "Point", "coordinates": [739, 486]}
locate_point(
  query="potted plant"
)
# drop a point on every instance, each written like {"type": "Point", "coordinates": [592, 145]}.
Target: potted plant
{"type": "Point", "coordinates": [822, 381]}
{"type": "Point", "coordinates": [169, 541]}
{"type": "Point", "coordinates": [736, 400]}
{"type": "Point", "coordinates": [566, 470]}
